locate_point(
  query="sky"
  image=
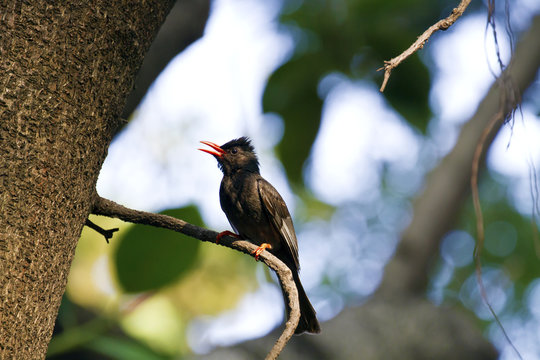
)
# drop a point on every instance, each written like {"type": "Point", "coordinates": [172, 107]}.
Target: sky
{"type": "Point", "coordinates": [212, 91]}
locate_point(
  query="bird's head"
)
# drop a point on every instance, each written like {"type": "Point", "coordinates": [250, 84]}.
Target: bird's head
{"type": "Point", "coordinates": [237, 154]}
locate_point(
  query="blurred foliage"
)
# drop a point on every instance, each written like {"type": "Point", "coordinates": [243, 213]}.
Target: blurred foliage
{"type": "Point", "coordinates": [148, 258]}
{"type": "Point", "coordinates": [97, 338]}
{"type": "Point", "coordinates": [221, 277]}
{"type": "Point", "coordinates": [311, 208]}
{"type": "Point", "coordinates": [177, 279]}
{"type": "Point", "coordinates": [123, 349]}
{"type": "Point", "coordinates": [520, 262]}
{"type": "Point", "coordinates": [353, 38]}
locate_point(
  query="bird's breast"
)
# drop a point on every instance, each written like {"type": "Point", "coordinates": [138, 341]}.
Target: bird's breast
{"type": "Point", "coordinates": [241, 203]}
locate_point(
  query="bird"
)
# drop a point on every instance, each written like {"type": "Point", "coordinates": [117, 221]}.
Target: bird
{"type": "Point", "coordinates": [257, 213]}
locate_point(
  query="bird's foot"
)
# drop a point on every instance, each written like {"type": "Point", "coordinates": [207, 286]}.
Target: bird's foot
{"type": "Point", "coordinates": [226, 233]}
{"type": "Point", "coordinates": [260, 249]}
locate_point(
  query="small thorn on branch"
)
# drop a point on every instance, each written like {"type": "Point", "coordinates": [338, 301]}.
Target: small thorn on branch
{"type": "Point", "coordinates": [107, 233]}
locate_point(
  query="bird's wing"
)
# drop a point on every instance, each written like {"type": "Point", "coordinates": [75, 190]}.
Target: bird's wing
{"type": "Point", "coordinates": [277, 212]}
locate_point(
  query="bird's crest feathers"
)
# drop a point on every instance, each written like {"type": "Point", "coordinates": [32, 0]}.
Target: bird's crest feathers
{"type": "Point", "coordinates": [243, 142]}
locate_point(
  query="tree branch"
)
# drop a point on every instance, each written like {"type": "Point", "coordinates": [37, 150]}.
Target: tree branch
{"type": "Point", "coordinates": [446, 186]}
{"type": "Point", "coordinates": [443, 24]}
{"type": "Point", "coordinates": [111, 209]}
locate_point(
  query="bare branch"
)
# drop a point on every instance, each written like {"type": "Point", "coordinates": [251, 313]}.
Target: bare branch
{"type": "Point", "coordinates": [447, 185]}
{"type": "Point", "coordinates": [443, 24]}
{"type": "Point", "coordinates": [111, 209]}
{"type": "Point", "coordinates": [289, 287]}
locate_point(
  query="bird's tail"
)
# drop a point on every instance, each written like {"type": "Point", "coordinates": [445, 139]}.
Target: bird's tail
{"type": "Point", "coordinates": [308, 318]}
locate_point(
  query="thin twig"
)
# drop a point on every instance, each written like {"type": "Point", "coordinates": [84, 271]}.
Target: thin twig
{"type": "Point", "coordinates": [443, 24]}
{"type": "Point", "coordinates": [510, 100]}
{"type": "Point", "coordinates": [111, 209]}
{"type": "Point", "coordinates": [498, 118]}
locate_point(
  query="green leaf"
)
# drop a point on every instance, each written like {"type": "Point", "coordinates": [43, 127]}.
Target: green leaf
{"type": "Point", "coordinates": [123, 349]}
{"type": "Point", "coordinates": [78, 336]}
{"type": "Point", "coordinates": [408, 92]}
{"type": "Point", "coordinates": [148, 258]}
{"type": "Point", "coordinates": [292, 92]}
{"type": "Point", "coordinates": [352, 38]}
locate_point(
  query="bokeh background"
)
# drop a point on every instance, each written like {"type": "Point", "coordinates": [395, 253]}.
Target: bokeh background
{"type": "Point", "coordinates": [299, 78]}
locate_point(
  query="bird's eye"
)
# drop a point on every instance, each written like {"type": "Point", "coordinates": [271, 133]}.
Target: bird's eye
{"type": "Point", "coordinates": [234, 151]}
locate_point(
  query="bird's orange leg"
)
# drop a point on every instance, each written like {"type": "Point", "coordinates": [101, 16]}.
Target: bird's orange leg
{"type": "Point", "coordinates": [226, 233]}
{"type": "Point", "coordinates": [260, 249]}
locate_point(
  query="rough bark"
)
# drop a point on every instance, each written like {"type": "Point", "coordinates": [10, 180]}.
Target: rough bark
{"type": "Point", "coordinates": [65, 71]}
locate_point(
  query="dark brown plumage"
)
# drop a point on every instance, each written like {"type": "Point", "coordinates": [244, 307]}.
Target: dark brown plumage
{"type": "Point", "coordinates": [257, 213]}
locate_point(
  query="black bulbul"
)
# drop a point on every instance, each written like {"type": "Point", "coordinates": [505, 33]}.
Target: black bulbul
{"type": "Point", "coordinates": [257, 213]}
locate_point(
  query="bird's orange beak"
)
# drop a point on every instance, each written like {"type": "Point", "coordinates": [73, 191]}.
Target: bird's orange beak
{"type": "Point", "coordinates": [219, 151]}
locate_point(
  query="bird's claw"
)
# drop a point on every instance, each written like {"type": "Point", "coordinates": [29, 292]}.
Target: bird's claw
{"type": "Point", "coordinates": [260, 249]}
{"type": "Point", "coordinates": [226, 233]}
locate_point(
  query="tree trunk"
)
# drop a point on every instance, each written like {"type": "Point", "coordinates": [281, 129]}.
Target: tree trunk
{"type": "Point", "coordinates": [66, 69]}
